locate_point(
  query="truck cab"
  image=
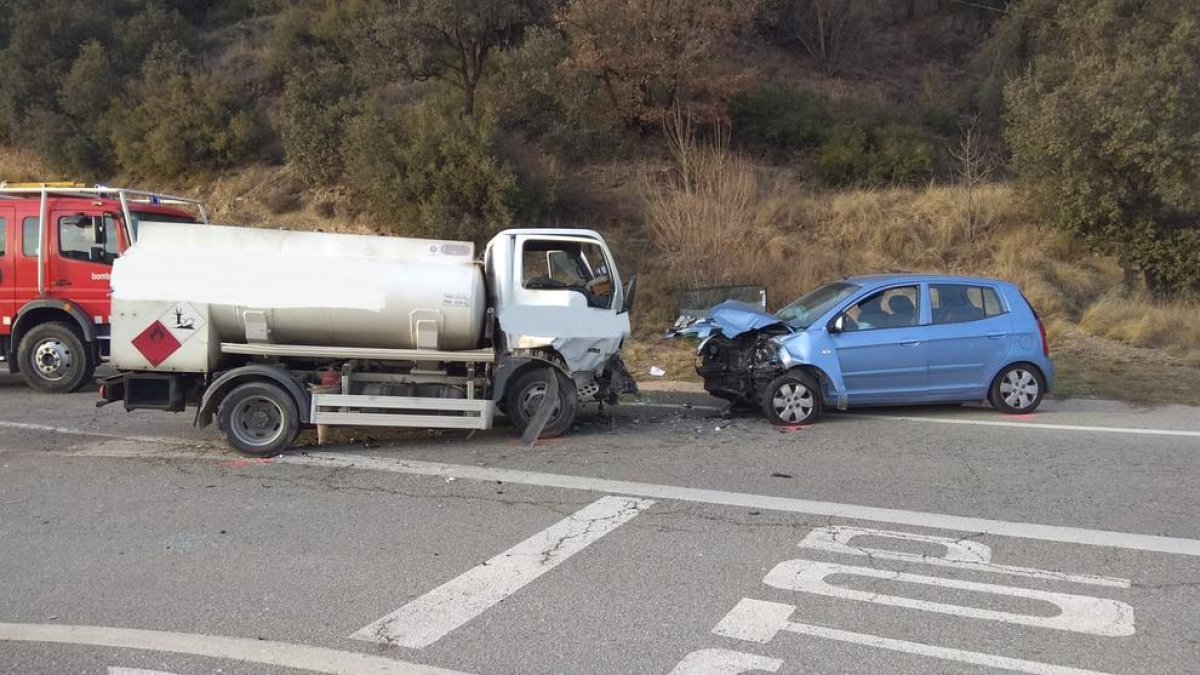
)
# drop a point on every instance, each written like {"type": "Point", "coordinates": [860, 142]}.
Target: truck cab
{"type": "Point", "coordinates": [58, 242]}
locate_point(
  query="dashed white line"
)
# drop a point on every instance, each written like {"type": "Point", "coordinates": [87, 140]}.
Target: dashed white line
{"type": "Point", "coordinates": [267, 652]}
{"type": "Point", "coordinates": [430, 617]}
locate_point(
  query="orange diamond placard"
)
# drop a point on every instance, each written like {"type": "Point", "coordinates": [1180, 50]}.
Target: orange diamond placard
{"type": "Point", "coordinates": [156, 343]}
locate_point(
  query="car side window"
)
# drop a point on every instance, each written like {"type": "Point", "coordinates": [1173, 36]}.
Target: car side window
{"type": "Point", "coordinates": [29, 237]}
{"type": "Point", "coordinates": [891, 308]}
{"type": "Point", "coordinates": [959, 303]}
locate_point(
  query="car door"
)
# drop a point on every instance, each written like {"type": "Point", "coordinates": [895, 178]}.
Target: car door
{"type": "Point", "coordinates": [970, 335]}
{"type": "Point", "coordinates": [882, 349]}
{"type": "Point", "coordinates": [8, 268]}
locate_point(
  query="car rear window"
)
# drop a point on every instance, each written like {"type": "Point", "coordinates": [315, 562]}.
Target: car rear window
{"type": "Point", "coordinates": [958, 303]}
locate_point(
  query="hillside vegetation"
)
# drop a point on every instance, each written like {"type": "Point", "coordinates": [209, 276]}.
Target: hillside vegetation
{"type": "Point", "coordinates": [777, 142]}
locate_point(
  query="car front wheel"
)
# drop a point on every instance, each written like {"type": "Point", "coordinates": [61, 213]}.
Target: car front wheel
{"type": "Point", "coordinates": [1018, 389]}
{"type": "Point", "coordinates": [792, 398]}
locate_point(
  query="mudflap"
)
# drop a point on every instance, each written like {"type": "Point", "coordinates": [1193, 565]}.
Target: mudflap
{"type": "Point", "coordinates": [621, 381]}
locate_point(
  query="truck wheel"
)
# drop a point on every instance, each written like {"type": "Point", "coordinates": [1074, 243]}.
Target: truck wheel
{"type": "Point", "coordinates": [53, 358]}
{"type": "Point", "coordinates": [525, 395]}
{"type": "Point", "coordinates": [792, 398]}
{"type": "Point", "coordinates": [259, 419]}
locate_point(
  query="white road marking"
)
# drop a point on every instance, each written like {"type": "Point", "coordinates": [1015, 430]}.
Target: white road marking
{"type": "Point", "coordinates": [1077, 613]}
{"type": "Point", "coordinates": [960, 553]}
{"type": "Point", "coordinates": [114, 670]}
{"type": "Point", "coordinates": [982, 526]}
{"type": "Point", "coordinates": [1030, 425]}
{"type": "Point", "coordinates": [430, 617]}
{"type": "Point", "coordinates": [759, 621]}
{"type": "Point", "coordinates": [724, 662]}
{"type": "Point", "coordinates": [282, 654]}
{"type": "Point", "coordinates": [98, 434]}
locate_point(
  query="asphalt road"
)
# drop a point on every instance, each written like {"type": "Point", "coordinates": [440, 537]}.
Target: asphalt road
{"type": "Point", "coordinates": [657, 538]}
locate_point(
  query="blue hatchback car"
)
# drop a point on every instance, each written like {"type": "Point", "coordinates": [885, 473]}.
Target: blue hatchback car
{"type": "Point", "coordinates": [878, 340]}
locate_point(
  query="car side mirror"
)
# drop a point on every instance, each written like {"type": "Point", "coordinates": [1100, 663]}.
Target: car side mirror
{"type": "Point", "coordinates": [838, 325]}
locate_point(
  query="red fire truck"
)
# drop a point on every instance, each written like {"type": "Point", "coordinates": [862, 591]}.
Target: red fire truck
{"type": "Point", "coordinates": [57, 246]}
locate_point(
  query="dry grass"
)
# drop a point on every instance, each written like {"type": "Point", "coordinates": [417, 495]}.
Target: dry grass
{"type": "Point", "coordinates": [17, 165]}
{"type": "Point", "coordinates": [1140, 322]}
{"type": "Point", "coordinates": [802, 239]}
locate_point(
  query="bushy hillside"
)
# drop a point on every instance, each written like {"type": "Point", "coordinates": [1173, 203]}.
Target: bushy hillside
{"type": "Point", "coordinates": [781, 142]}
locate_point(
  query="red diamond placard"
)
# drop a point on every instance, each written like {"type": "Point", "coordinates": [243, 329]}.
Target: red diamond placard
{"type": "Point", "coordinates": [156, 343]}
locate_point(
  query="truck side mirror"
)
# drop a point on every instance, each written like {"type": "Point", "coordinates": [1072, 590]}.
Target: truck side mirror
{"type": "Point", "coordinates": [630, 294]}
{"type": "Point", "coordinates": [99, 232]}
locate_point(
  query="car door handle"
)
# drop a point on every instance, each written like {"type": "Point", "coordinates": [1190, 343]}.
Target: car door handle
{"type": "Point", "coordinates": [62, 282]}
{"type": "Point", "coordinates": [914, 343]}
{"type": "Point", "coordinates": [996, 336]}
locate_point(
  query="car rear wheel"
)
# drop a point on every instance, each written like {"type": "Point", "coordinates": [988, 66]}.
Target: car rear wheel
{"type": "Point", "coordinates": [54, 359]}
{"type": "Point", "coordinates": [1018, 389]}
{"type": "Point", "coordinates": [791, 399]}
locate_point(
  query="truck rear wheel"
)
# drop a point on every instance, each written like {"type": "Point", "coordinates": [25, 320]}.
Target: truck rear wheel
{"type": "Point", "coordinates": [259, 419]}
{"type": "Point", "coordinates": [54, 359]}
{"type": "Point", "coordinates": [525, 396]}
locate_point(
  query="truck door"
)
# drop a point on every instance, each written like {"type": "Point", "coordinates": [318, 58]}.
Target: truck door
{"type": "Point", "coordinates": [80, 258]}
{"type": "Point", "coordinates": [567, 294]}
{"type": "Point", "coordinates": [8, 270]}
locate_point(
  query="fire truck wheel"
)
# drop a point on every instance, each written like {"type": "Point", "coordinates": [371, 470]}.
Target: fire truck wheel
{"type": "Point", "coordinates": [259, 419]}
{"type": "Point", "coordinates": [525, 395]}
{"type": "Point", "coordinates": [53, 358]}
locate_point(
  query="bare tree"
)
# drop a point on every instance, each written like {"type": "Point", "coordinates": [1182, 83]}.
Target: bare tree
{"type": "Point", "coordinates": [975, 165]}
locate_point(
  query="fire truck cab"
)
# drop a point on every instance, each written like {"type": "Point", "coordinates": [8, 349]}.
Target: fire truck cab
{"type": "Point", "coordinates": [58, 242]}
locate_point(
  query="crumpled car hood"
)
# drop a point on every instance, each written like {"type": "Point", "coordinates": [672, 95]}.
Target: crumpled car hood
{"type": "Point", "coordinates": [730, 318]}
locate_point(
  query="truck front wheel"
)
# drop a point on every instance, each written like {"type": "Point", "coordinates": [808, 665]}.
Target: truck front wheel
{"type": "Point", "coordinates": [259, 419]}
{"type": "Point", "coordinates": [54, 359]}
{"type": "Point", "coordinates": [526, 393]}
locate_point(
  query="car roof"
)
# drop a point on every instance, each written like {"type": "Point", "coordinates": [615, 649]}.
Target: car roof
{"type": "Point", "coordinates": [875, 280]}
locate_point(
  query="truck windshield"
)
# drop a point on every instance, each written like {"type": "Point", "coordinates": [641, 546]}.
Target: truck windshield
{"type": "Point", "coordinates": [801, 313]}
{"type": "Point", "coordinates": [139, 216]}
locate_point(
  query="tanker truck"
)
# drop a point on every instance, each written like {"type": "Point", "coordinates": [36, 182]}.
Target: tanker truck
{"type": "Point", "coordinates": [269, 331]}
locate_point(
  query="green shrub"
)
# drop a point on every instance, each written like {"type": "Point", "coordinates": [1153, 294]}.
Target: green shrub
{"type": "Point", "coordinates": [183, 119]}
{"type": "Point", "coordinates": [532, 89]}
{"type": "Point", "coordinates": [856, 153]}
{"type": "Point", "coordinates": [429, 171]}
{"type": "Point", "coordinates": [317, 106]}
{"type": "Point", "coordinates": [776, 121]}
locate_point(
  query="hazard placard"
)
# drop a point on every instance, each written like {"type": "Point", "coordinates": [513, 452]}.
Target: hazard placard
{"type": "Point", "coordinates": [183, 321]}
{"type": "Point", "coordinates": [156, 343]}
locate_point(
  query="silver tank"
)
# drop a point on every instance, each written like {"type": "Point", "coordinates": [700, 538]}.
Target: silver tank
{"type": "Point", "coordinates": [311, 288]}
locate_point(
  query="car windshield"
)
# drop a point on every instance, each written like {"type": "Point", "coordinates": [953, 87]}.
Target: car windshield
{"type": "Point", "coordinates": [801, 313]}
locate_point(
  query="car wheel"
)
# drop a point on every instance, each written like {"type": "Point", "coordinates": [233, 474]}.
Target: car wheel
{"type": "Point", "coordinates": [525, 394]}
{"type": "Point", "coordinates": [54, 359]}
{"type": "Point", "coordinates": [1017, 390]}
{"type": "Point", "coordinates": [793, 398]}
{"type": "Point", "coordinates": [259, 419]}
